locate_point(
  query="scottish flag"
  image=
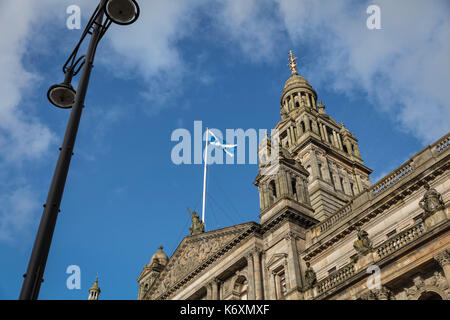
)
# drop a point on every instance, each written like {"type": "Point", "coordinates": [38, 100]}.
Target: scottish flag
{"type": "Point", "coordinates": [225, 147]}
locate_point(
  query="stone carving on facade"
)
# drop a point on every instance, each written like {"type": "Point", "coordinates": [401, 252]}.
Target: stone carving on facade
{"type": "Point", "coordinates": [436, 283]}
{"type": "Point", "coordinates": [187, 257]}
{"type": "Point", "coordinates": [439, 281]}
{"type": "Point", "coordinates": [443, 258]}
{"type": "Point", "coordinates": [382, 293]}
{"type": "Point", "coordinates": [362, 245]}
{"type": "Point", "coordinates": [310, 276]}
{"type": "Point", "coordinates": [417, 287]}
{"type": "Point", "coordinates": [431, 201]}
{"type": "Point", "coordinates": [198, 226]}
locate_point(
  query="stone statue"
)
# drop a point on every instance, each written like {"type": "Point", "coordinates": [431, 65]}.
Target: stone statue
{"type": "Point", "coordinates": [363, 245]}
{"type": "Point", "coordinates": [283, 114]}
{"type": "Point", "coordinates": [431, 201]}
{"type": "Point", "coordinates": [198, 226]}
{"type": "Point", "coordinates": [310, 276]}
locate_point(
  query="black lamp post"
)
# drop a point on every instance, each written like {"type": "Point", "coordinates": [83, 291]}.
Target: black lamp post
{"type": "Point", "coordinates": [63, 95]}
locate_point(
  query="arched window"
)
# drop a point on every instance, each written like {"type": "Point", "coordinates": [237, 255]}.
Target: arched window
{"type": "Point", "coordinates": [273, 188]}
{"type": "Point", "coordinates": [430, 295]}
{"type": "Point", "coordinates": [302, 126]}
{"type": "Point", "coordinates": [345, 149]}
{"type": "Point", "coordinates": [293, 184]}
{"type": "Point", "coordinates": [241, 288]}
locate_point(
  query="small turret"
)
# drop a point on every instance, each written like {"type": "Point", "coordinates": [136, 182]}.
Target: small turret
{"type": "Point", "coordinates": [94, 291]}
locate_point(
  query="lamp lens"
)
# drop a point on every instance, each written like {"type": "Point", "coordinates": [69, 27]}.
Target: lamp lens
{"type": "Point", "coordinates": [121, 11]}
{"type": "Point", "coordinates": [62, 97]}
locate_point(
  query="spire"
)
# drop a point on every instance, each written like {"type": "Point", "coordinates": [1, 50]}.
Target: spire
{"type": "Point", "coordinates": [292, 65]}
{"type": "Point", "coordinates": [94, 291]}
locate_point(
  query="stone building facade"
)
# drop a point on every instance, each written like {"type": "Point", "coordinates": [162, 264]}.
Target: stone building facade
{"type": "Point", "coordinates": [324, 231]}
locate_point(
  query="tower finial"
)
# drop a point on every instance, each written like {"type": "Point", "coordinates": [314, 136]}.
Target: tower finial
{"type": "Point", "coordinates": [292, 65]}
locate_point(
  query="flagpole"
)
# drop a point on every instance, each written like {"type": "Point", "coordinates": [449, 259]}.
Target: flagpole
{"type": "Point", "coordinates": [204, 175]}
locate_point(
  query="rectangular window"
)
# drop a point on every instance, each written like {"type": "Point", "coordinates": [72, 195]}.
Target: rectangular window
{"type": "Point", "coordinates": [391, 234]}
{"type": "Point", "coordinates": [283, 284]}
{"type": "Point", "coordinates": [418, 218]}
{"type": "Point", "coordinates": [332, 271]}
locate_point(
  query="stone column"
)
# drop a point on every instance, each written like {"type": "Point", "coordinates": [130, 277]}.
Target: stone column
{"type": "Point", "coordinates": [258, 272]}
{"type": "Point", "coordinates": [443, 258]}
{"type": "Point", "coordinates": [336, 143]}
{"type": "Point", "coordinates": [321, 131]}
{"type": "Point", "coordinates": [325, 133]}
{"type": "Point", "coordinates": [265, 276]}
{"type": "Point", "coordinates": [261, 197]}
{"type": "Point", "coordinates": [276, 293]}
{"type": "Point", "coordinates": [314, 164]}
{"type": "Point", "coordinates": [209, 295]}
{"type": "Point", "coordinates": [250, 275]}
{"type": "Point", "coordinates": [299, 130]}
{"type": "Point", "coordinates": [294, 138]}
{"type": "Point", "coordinates": [313, 101]}
{"type": "Point", "coordinates": [289, 137]}
{"type": "Point", "coordinates": [340, 141]}
{"type": "Point", "coordinates": [293, 262]}
{"type": "Point", "coordinates": [289, 184]}
{"type": "Point", "coordinates": [215, 289]}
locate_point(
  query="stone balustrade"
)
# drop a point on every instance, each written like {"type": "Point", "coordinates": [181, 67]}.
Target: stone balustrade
{"type": "Point", "coordinates": [400, 240]}
{"type": "Point", "coordinates": [392, 179]}
{"type": "Point", "coordinates": [336, 278]}
{"type": "Point", "coordinates": [387, 247]}
{"type": "Point", "coordinates": [437, 150]}
{"type": "Point", "coordinates": [343, 212]}
{"type": "Point", "coordinates": [442, 145]}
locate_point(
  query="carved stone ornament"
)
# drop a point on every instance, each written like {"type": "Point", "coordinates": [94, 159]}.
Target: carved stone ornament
{"type": "Point", "coordinates": [378, 294]}
{"type": "Point", "coordinates": [431, 201]}
{"type": "Point", "coordinates": [198, 226]}
{"type": "Point", "coordinates": [310, 276]}
{"type": "Point", "coordinates": [418, 285]}
{"type": "Point", "coordinates": [189, 255]}
{"type": "Point", "coordinates": [363, 245]}
{"type": "Point", "coordinates": [439, 281]}
{"type": "Point", "coordinates": [443, 258]}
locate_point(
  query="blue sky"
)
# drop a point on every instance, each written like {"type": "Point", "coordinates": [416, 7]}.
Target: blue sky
{"type": "Point", "coordinates": [221, 62]}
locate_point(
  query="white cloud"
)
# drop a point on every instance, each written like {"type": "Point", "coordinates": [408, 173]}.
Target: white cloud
{"type": "Point", "coordinates": [22, 136]}
{"type": "Point", "coordinates": [17, 213]}
{"type": "Point", "coordinates": [404, 67]}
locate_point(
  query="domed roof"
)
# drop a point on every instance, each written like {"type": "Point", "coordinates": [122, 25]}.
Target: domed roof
{"type": "Point", "coordinates": [95, 287]}
{"type": "Point", "coordinates": [160, 257]}
{"type": "Point", "coordinates": [296, 81]}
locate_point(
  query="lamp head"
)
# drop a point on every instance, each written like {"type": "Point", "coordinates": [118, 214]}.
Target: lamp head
{"type": "Point", "coordinates": [122, 12]}
{"type": "Point", "coordinates": [62, 95]}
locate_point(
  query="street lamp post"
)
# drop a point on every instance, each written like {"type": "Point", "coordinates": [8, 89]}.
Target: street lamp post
{"type": "Point", "coordinates": [122, 12]}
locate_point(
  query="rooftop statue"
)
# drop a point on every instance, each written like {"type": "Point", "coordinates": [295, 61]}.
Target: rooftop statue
{"type": "Point", "coordinates": [310, 276]}
{"type": "Point", "coordinates": [363, 245]}
{"type": "Point", "coordinates": [198, 226]}
{"type": "Point", "coordinates": [431, 201]}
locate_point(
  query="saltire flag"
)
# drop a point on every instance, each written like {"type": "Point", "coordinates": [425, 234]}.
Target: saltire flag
{"type": "Point", "coordinates": [225, 147]}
